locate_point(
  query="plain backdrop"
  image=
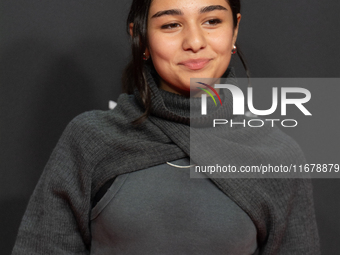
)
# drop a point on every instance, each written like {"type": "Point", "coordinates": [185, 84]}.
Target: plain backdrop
{"type": "Point", "coordinates": [61, 58]}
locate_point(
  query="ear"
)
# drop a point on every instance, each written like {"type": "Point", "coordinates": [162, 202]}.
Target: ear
{"type": "Point", "coordinates": [147, 53]}
{"type": "Point", "coordinates": [236, 28]}
{"type": "Point", "coordinates": [131, 29]}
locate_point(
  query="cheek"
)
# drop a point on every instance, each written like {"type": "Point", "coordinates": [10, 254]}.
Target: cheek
{"type": "Point", "coordinates": [223, 43]}
{"type": "Point", "coordinates": [163, 54]}
{"type": "Point", "coordinates": [162, 49]}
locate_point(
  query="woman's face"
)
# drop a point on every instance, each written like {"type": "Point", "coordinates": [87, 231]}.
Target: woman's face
{"type": "Point", "coordinates": [190, 39]}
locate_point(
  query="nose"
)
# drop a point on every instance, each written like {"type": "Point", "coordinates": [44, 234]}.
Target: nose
{"type": "Point", "coordinates": [194, 39]}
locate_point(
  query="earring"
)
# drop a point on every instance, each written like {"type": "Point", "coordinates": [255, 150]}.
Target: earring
{"type": "Point", "coordinates": [234, 50]}
{"type": "Point", "coordinates": [145, 57]}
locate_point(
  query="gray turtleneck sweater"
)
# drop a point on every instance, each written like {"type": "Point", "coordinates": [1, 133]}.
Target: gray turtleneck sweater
{"type": "Point", "coordinates": [100, 145]}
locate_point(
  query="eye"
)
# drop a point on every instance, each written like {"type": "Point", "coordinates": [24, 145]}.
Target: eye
{"type": "Point", "coordinates": [171, 26]}
{"type": "Point", "coordinates": [213, 22]}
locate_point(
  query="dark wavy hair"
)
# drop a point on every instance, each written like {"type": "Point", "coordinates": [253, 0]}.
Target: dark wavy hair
{"type": "Point", "coordinates": [134, 73]}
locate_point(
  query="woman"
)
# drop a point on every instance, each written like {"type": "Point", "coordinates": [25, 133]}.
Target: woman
{"type": "Point", "coordinates": [107, 188]}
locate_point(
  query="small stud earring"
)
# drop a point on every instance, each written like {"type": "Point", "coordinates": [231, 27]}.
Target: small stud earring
{"type": "Point", "coordinates": [145, 57]}
{"type": "Point", "coordinates": [234, 50]}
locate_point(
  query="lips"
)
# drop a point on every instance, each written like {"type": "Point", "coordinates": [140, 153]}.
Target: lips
{"type": "Point", "coordinates": [195, 64]}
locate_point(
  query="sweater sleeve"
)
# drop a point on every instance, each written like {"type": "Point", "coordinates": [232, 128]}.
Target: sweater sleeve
{"type": "Point", "coordinates": [56, 218]}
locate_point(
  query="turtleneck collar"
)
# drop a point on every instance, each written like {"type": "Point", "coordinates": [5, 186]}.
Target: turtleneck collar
{"type": "Point", "coordinates": [187, 110]}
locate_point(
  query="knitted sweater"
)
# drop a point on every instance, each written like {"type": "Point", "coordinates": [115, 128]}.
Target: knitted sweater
{"type": "Point", "coordinates": [97, 146]}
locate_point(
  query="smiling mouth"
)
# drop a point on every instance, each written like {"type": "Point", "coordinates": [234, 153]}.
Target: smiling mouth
{"type": "Point", "coordinates": [195, 64]}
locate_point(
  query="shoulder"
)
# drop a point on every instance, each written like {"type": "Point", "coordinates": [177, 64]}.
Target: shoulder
{"type": "Point", "coordinates": [87, 124]}
{"type": "Point", "coordinates": [98, 123]}
{"type": "Point", "coordinates": [81, 141]}
{"type": "Point", "coordinates": [99, 129]}
{"type": "Point", "coordinates": [90, 120]}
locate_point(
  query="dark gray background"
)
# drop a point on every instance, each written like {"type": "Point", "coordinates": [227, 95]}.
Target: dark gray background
{"type": "Point", "coordinates": [61, 58]}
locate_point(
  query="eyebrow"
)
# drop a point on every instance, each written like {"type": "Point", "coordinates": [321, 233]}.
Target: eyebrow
{"type": "Point", "coordinates": [211, 8]}
{"type": "Point", "coordinates": [167, 12]}
{"type": "Point", "coordinates": [205, 9]}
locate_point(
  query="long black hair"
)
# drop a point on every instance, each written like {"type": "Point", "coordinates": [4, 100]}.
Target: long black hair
{"type": "Point", "coordinates": [134, 73]}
